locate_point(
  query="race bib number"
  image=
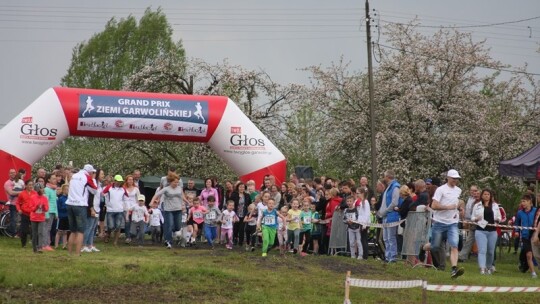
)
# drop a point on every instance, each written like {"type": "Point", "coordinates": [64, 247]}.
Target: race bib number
{"type": "Point", "coordinates": [227, 219]}
{"type": "Point", "coordinates": [269, 220]}
{"type": "Point", "coordinates": [307, 220]}
{"type": "Point", "coordinates": [351, 216]}
{"type": "Point", "coordinates": [296, 219]}
{"type": "Point", "coordinates": [197, 214]}
{"type": "Point", "coordinates": [211, 216]}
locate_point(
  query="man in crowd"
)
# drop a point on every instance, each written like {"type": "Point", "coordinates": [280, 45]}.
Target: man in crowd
{"type": "Point", "coordinates": [390, 200]}
{"type": "Point", "coordinates": [190, 189]}
{"type": "Point", "coordinates": [137, 181]}
{"type": "Point", "coordinates": [474, 197]}
{"type": "Point", "coordinates": [445, 219]}
{"type": "Point", "coordinates": [80, 185]}
{"type": "Point", "coordinates": [13, 189]}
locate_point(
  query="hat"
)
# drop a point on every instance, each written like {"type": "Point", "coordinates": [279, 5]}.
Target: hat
{"type": "Point", "coordinates": [89, 168]}
{"type": "Point", "coordinates": [141, 198]}
{"type": "Point", "coordinates": [428, 181]}
{"type": "Point", "coordinates": [453, 174]}
{"type": "Point", "coordinates": [118, 178]}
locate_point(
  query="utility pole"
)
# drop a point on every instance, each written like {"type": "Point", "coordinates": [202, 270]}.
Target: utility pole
{"type": "Point", "coordinates": [371, 103]}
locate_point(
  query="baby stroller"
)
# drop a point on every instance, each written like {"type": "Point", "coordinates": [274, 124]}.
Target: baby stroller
{"type": "Point", "coordinates": [375, 242]}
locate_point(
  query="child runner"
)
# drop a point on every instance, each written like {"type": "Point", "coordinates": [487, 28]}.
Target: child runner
{"type": "Point", "coordinates": [196, 218]}
{"type": "Point", "coordinates": [282, 230]}
{"type": "Point", "coordinates": [210, 221]}
{"type": "Point", "coordinates": [63, 223]}
{"type": "Point", "coordinates": [294, 225]}
{"type": "Point", "coordinates": [228, 218]}
{"type": "Point", "coordinates": [315, 227]}
{"type": "Point", "coordinates": [139, 218]}
{"type": "Point", "coordinates": [251, 227]}
{"type": "Point", "coordinates": [351, 218]}
{"type": "Point", "coordinates": [267, 223]}
{"type": "Point", "coordinates": [156, 220]}
{"type": "Point", "coordinates": [39, 206]}
{"type": "Point", "coordinates": [305, 218]}
{"type": "Point", "coordinates": [51, 215]}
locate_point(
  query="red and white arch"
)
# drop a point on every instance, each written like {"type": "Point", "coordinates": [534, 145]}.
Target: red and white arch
{"type": "Point", "coordinates": [62, 112]}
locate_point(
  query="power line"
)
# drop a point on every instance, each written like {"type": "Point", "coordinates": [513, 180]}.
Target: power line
{"type": "Point", "coordinates": [471, 26]}
{"type": "Point", "coordinates": [447, 60]}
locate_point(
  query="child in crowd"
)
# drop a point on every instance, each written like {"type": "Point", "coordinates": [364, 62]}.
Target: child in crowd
{"type": "Point", "coordinates": [294, 225]}
{"type": "Point", "coordinates": [315, 227]}
{"type": "Point", "coordinates": [228, 218]}
{"type": "Point", "coordinates": [364, 214]}
{"type": "Point", "coordinates": [305, 219]}
{"type": "Point", "coordinates": [267, 223]}
{"type": "Point", "coordinates": [39, 206]}
{"type": "Point", "coordinates": [211, 221]}
{"type": "Point", "coordinates": [156, 220]}
{"type": "Point", "coordinates": [139, 218]}
{"type": "Point", "coordinates": [196, 218]}
{"type": "Point", "coordinates": [282, 230]}
{"type": "Point", "coordinates": [351, 218]}
{"type": "Point", "coordinates": [63, 223]}
{"type": "Point", "coordinates": [251, 227]}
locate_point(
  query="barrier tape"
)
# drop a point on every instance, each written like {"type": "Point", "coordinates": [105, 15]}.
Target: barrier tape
{"type": "Point", "coordinates": [383, 225]}
{"type": "Point", "coordinates": [430, 287]}
{"type": "Point", "coordinates": [501, 226]}
{"type": "Point", "coordinates": [385, 284]}
{"type": "Point", "coordinates": [458, 288]}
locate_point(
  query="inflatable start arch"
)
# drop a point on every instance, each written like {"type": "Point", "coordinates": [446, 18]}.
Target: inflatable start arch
{"type": "Point", "coordinates": [216, 120]}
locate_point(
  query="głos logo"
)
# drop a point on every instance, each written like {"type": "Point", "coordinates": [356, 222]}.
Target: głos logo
{"type": "Point", "coordinates": [237, 139]}
{"type": "Point", "coordinates": [34, 131]}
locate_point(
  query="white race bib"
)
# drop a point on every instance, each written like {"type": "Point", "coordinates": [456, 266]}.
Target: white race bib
{"type": "Point", "coordinates": [269, 220]}
{"type": "Point", "coordinates": [211, 216]}
{"type": "Point", "coordinates": [307, 220]}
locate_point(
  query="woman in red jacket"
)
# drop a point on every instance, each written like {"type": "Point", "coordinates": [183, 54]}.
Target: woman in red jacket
{"type": "Point", "coordinates": [24, 202]}
{"type": "Point", "coordinates": [40, 205]}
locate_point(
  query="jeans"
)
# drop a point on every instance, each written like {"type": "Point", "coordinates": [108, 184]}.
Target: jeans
{"type": "Point", "coordinates": [12, 228]}
{"type": "Point", "coordinates": [37, 235]}
{"type": "Point", "coordinates": [293, 237]}
{"type": "Point", "coordinates": [25, 226]}
{"type": "Point", "coordinates": [172, 222]}
{"type": "Point", "coordinates": [390, 242]}
{"type": "Point", "coordinates": [486, 241]}
{"type": "Point", "coordinates": [127, 225]}
{"type": "Point", "coordinates": [210, 233]}
{"type": "Point", "coordinates": [90, 231]}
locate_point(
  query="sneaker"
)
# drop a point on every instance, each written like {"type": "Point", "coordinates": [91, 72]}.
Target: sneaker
{"type": "Point", "coordinates": [47, 248]}
{"type": "Point", "coordinates": [169, 246]}
{"type": "Point", "coordinates": [303, 254]}
{"type": "Point", "coordinates": [128, 240]}
{"type": "Point", "coordinates": [86, 249]}
{"type": "Point", "coordinates": [295, 250]}
{"type": "Point", "coordinates": [264, 254]}
{"type": "Point", "coordinates": [493, 270]}
{"type": "Point", "coordinates": [534, 276]}
{"type": "Point", "coordinates": [482, 272]}
{"type": "Point", "coordinates": [252, 248]}
{"type": "Point", "coordinates": [456, 272]}
{"type": "Point", "coordinates": [94, 249]}
{"type": "Point", "coordinates": [360, 258]}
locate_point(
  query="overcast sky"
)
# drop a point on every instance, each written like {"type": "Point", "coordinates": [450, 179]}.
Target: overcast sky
{"type": "Point", "coordinates": [37, 37]}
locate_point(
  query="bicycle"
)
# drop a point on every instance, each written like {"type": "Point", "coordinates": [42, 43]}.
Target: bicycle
{"type": "Point", "coordinates": [5, 220]}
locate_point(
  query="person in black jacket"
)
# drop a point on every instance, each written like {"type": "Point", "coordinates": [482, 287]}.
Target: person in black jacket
{"type": "Point", "coordinates": [241, 202]}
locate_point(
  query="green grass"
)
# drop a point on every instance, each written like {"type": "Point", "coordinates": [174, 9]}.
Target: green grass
{"type": "Point", "coordinates": [155, 274]}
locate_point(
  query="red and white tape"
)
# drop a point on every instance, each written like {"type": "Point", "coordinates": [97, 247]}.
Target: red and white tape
{"type": "Point", "coordinates": [446, 288]}
{"type": "Point", "coordinates": [501, 226]}
{"type": "Point", "coordinates": [458, 288]}
{"type": "Point", "coordinates": [383, 225]}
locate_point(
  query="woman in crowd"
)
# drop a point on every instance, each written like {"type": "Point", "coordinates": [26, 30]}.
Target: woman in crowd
{"type": "Point", "coordinates": [94, 209]}
{"type": "Point", "coordinates": [208, 190]}
{"type": "Point", "coordinates": [130, 201]}
{"type": "Point", "coordinates": [241, 201]}
{"type": "Point", "coordinates": [173, 202]}
{"type": "Point", "coordinates": [484, 213]}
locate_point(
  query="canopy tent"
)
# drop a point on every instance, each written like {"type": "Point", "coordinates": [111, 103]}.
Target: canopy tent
{"type": "Point", "coordinates": [526, 165]}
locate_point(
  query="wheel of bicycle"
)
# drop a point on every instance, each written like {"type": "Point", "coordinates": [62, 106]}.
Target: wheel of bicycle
{"type": "Point", "coordinates": [5, 220]}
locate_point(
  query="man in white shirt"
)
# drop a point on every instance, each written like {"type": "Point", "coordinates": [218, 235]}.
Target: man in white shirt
{"type": "Point", "coordinates": [474, 197]}
{"type": "Point", "coordinates": [77, 203]}
{"type": "Point", "coordinates": [446, 217]}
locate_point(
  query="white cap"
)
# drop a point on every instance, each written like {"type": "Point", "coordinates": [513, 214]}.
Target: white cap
{"type": "Point", "coordinates": [89, 168]}
{"type": "Point", "coordinates": [453, 174]}
{"type": "Point", "coordinates": [141, 197]}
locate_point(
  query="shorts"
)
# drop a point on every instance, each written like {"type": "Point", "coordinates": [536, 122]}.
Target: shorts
{"type": "Point", "coordinates": [63, 224]}
{"type": "Point", "coordinates": [190, 222]}
{"type": "Point", "coordinates": [115, 220]}
{"type": "Point", "coordinates": [526, 245]}
{"type": "Point", "coordinates": [199, 226]}
{"type": "Point", "coordinates": [77, 218]}
{"type": "Point", "coordinates": [316, 236]}
{"type": "Point", "coordinates": [452, 234]}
